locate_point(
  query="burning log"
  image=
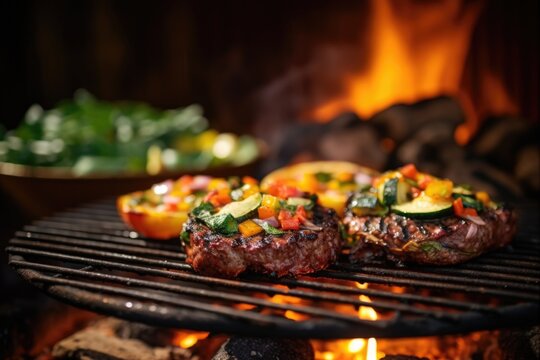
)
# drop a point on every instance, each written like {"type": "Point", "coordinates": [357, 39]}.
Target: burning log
{"type": "Point", "coordinates": [100, 341]}
{"type": "Point", "coordinates": [241, 348]}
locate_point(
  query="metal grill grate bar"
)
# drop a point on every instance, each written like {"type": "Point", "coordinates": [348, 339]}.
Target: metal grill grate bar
{"type": "Point", "coordinates": [87, 251]}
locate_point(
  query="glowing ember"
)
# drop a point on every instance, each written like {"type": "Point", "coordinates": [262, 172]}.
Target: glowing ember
{"type": "Point", "coordinates": [186, 339]}
{"type": "Point", "coordinates": [356, 345]}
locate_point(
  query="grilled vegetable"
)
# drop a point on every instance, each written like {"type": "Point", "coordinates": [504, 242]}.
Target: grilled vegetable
{"type": "Point", "coordinates": [243, 209]}
{"type": "Point", "coordinates": [249, 228]}
{"type": "Point", "coordinates": [424, 207]}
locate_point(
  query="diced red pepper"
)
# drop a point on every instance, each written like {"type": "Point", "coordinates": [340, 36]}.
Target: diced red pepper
{"type": "Point", "coordinates": [284, 215]}
{"type": "Point", "coordinates": [458, 206]}
{"type": "Point", "coordinates": [301, 213]}
{"type": "Point", "coordinates": [290, 224]}
{"type": "Point", "coordinates": [462, 211]}
{"type": "Point", "coordinates": [409, 171]}
{"type": "Point", "coordinates": [283, 191]}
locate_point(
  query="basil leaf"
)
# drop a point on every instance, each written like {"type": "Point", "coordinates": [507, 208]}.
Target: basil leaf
{"type": "Point", "coordinates": [205, 209]}
{"type": "Point", "coordinates": [269, 229]}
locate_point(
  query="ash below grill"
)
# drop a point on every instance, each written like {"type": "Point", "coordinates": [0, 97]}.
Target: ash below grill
{"type": "Point", "coordinates": [87, 257]}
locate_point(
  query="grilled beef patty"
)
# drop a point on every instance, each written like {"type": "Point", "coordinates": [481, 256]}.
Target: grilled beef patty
{"type": "Point", "coordinates": [293, 253]}
{"type": "Point", "coordinates": [445, 241]}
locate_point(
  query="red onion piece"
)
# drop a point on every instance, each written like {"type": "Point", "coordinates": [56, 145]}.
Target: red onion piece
{"type": "Point", "coordinates": [475, 219]}
{"type": "Point", "coordinates": [200, 182]}
{"type": "Point", "coordinates": [272, 221]}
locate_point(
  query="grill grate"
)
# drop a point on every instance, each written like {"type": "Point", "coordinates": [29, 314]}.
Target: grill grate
{"type": "Point", "coordinates": [87, 257]}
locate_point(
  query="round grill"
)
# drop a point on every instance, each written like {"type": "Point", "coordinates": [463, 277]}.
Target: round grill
{"type": "Point", "coordinates": [89, 258]}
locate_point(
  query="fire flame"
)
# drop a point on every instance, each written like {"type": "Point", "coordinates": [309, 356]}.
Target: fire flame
{"type": "Point", "coordinates": [411, 60]}
{"type": "Point", "coordinates": [365, 350]}
{"type": "Point", "coordinates": [187, 339]}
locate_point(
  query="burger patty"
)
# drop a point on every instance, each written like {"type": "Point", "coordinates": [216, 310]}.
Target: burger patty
{"type": "Point", "coordinates": [292, 253]}
{"type": "Point", "coordinates": [445, 241]}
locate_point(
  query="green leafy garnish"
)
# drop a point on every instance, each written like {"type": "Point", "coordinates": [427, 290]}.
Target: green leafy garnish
{"type": "Point", "coordinates": [184, 238]}
{"type": "Point", "coordinates": [269, 229]}
{"type": "Point", "coordinates": [323, 176]}
{"type": "Point", "coordinates": [363, 200]}
{"type": "Point", "coordinates": [223, 223]}
{"type": "Point", "coordinates": [470, 202]}
{"type": "Point", "coordinates": [204, 210]}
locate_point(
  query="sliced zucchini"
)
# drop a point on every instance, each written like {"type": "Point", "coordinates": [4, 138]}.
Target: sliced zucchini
{"type": "Point", "coordinates": [243, 209]}
{"type": "Point", "coordinates": [424, 207]}
{"type": "Point", "coordinates": [394, 191]}
{"type": "Point", "coordinates": [463, 190]}
{"type": "Point", "coordinates": [297, 201]}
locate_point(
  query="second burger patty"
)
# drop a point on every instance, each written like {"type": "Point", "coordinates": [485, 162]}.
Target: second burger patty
{"type": "Point", "coordinates": [446, 241]}
{"type": "Point", "coordinates": [292, 253]}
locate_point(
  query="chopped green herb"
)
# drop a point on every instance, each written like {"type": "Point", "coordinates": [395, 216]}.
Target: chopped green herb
{"type": "Point", "coordinates": [205, 209]}
{"type": "Point", "coordinates": [470, 202]}
{"type": "Point", "coordinates": [184, 238]}
{"type": "Point", "coordinates": [223, 223]}
{"type": "Point", "coordinates": [269, 229]}
{"type": "Point", "coordinates": [323, 176]}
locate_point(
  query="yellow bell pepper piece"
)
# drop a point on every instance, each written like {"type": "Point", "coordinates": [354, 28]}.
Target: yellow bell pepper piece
{"type": "Point", "coordinates": [249, 189]}
{"type": "Point", "coordinates": [308, 183]}
{"type": "Point", "coordinates": [249, 228]}
{"type": "Point", "coordinates": [217, 184]}
{"type": "Point", "coordinates": [333, 200]}
{"type": "Point", "coordinates": [440, 189]}
{"type": "Point", "coordinates": [269, 201]}
{"type": "Point", "coordinates": [483, 197]}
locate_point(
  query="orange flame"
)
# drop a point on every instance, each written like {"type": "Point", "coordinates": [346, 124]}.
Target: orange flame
{"type": "Point", "coordinates": [415, 52]}
{"type": "Point", "coordinates": [187, 339]}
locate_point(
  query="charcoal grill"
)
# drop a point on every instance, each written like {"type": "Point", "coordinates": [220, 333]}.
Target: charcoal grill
{"type": "Point", "coordinates": [87, 257]}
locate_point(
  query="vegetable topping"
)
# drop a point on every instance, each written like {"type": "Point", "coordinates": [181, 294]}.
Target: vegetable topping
{"type": "Point", "coordinates": [414, 194]}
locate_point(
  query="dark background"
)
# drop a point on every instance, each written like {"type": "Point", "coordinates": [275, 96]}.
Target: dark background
{"type": "Point", "coordinates": [223, 55]}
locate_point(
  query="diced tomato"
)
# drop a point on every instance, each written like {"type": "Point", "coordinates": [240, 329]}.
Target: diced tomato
{"type": "Point", "coordinates": [171, 206]}
{"type": "Point", "coordinates": [283, 191]}
{"type": "Point", "coordinates": [222, 198]}
{"type": "Point", "coordinates": [409, 171]}
{"type": "Point", "coordinates": [470, 212]}
{"type": "Point", "coordinates": [266, 212]}
{"type": "Point", "coordinates": [458, 206]}
{"type": "Point", "coordinates": [284, 215]}
{"type": "Point", "coordinates": [462, 211]}
{"type": "Point", "coordinates": [290, 224]}
{"type": "Point", "coordinates": [249, 180]}
{"type": "Point", "coordinates": [301, 213]}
